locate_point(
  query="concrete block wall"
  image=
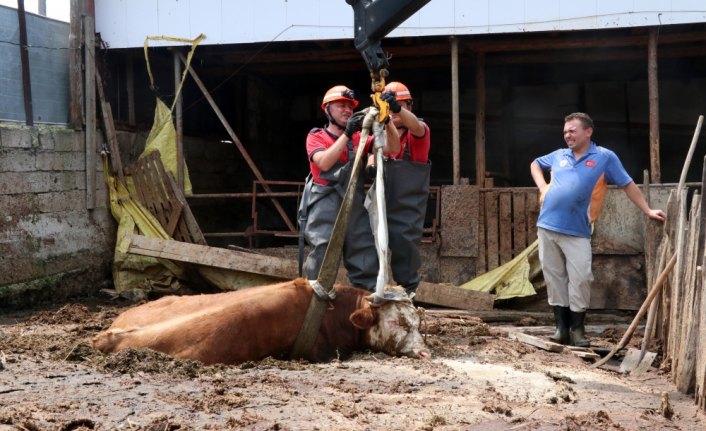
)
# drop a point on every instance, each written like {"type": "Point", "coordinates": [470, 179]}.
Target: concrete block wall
{"type": "Point", "coordinates": [51, 245]}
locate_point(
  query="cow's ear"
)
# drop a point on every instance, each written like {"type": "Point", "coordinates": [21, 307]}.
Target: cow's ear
{"type": "Point", "coordinates": [364, 318]}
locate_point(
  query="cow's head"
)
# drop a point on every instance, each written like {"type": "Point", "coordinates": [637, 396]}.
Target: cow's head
{"type": "Point", "coordinates": [392, 325]}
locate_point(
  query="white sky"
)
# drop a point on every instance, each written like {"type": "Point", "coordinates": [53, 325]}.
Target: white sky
{"type": "Point", "coordinates": [57, 9]}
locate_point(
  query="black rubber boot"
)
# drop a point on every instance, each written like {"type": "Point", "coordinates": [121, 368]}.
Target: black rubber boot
{"type": "Point", "coordinates": [562, 318]}
{"type": "Point", "coordinates": [578, 331]}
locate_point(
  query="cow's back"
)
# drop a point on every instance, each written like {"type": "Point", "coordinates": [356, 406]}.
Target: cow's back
{"type": "Point", "coordinates": [227, 328]}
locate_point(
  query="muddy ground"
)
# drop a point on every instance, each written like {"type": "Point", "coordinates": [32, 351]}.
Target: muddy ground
{"type": "Point", "coordinates": [479, 379]}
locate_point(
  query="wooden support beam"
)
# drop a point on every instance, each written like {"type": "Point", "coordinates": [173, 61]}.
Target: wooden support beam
{"type": "Point", "coordinates": [214, 257]}
{"type": "Point", "coordinates": [455, 125]}
{"type": "Point", "coordinates": [238, 144]}
{"type": "Point", "coordinates": [179, 121]}
{"type": "Point", "coordinates": [24, 59]}
{"type": "Point", "coordinates": [653, 93]}
{"type": "Point", "coordinates": [447, 295]}
{"type": "Point", "coordinates": [89, 60]}
{"type": "Point", "coordinates": [109, 129]}
{"type": "Point", "coordinates": [75, 63]}
{"type": "Point", "coordinates": [480, 119]}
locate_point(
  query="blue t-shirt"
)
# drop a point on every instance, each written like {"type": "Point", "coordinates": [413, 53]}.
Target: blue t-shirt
{"type": "Point", "coordinates": [565, 206]}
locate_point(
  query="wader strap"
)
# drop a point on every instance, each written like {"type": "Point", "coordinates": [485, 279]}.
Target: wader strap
{"type": "Point", "coordinates": [303, 216]}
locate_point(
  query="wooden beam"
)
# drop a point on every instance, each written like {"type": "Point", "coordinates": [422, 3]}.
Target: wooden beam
{"type": "Point", "coordinates": [24, 59]}
{"type": "Point", "coordinates": [536, 341]}
{"type": "Point", "coordinates": [217, 257]}
{"type": "Point", "coordinates": [455, 126]}
{"type": "Point", "coordinates": [480, 119]}
{"type": "Point", "coordinates": [109, 129]}
{"type": "Point", "coordinates": [90, 102]}
{"type": "Point", "coordinates": [448, 295]}
{"type": "Point", "coordinates": [179, 120]}
{"type": "Point", "coordinates": [653, 94]}
{"type": "Point", "coordinates": [238, 144]}
{"type": "Point", "coordinates": [214, 257]}
{"type": "Point", "coordinates": [75, 63]}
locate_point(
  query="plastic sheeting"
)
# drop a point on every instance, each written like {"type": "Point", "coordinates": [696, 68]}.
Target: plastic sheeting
{"type": "Point", "coordinates": [510, 280]}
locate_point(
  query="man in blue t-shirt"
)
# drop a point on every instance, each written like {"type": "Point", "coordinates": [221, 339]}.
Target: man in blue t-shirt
{"type": "Point", "coordinates": [565, 218]}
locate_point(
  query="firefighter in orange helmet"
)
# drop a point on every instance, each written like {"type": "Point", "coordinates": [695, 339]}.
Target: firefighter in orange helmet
{"type": "Point", "coordinates": [407, 176]}
{"type": "Point", "coordinates": [331, 151]}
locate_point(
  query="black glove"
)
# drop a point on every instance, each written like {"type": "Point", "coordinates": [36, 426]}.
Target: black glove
{"type": "Point", "coordinates": [370, 172]}
{"type": "Point", "coordinates": [389, 97]}
{"type": "Point", "coordinates": [355, 124]}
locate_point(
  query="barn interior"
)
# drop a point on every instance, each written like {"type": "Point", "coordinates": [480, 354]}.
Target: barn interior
{"type": "Point", "coordinates": [270, 94]}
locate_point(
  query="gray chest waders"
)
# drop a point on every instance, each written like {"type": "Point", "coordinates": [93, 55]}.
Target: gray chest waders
{"type": "Point", "coordinates": [337, 177]}
{"type": "Point", "coordinates": [406, 194]}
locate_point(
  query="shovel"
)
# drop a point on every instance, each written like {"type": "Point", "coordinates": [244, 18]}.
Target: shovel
{"type": "Point", "coordinates": [638, 361]}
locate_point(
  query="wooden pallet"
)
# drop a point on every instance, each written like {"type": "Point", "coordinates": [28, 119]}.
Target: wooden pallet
{"type": "Point", "coordinates": [157, 191]}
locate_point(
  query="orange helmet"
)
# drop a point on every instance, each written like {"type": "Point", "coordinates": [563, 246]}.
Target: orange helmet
{"type": "Point", "coordinates": [339, 92]}
{"type": "Point", "coordinates": [401, 91]}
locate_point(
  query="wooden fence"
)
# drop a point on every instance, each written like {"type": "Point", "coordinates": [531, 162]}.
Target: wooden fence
{"type": "Point", "coordinates": [507, 224]}
{"type": "Point", "coordinates": [680, 319]}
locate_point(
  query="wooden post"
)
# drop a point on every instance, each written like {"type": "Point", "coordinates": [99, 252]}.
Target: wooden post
{"type": "Point", "coordinates": [480, 119]}
{"type": "Point", "coordinates": [653, 91]}
{"type": "Point", "coordinates": [24, 58]}
{"type": "Point", "coordinates": [90, 102]}
{"type": "Point", "coordinates": [75, 63]}
{"type": "Point", "coordinates": [455, 127]}
{"type": "Point", "coordinates": [179, 120]}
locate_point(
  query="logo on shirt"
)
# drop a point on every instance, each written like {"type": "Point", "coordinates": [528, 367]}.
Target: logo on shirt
{"type": "Point", "coordinates": [563, 163]}
{"type": "Point", "coordinates": [590, 163]}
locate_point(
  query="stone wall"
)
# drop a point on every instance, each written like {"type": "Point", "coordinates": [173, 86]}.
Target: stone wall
{"type": "Point", "coordinates": [51, 246]}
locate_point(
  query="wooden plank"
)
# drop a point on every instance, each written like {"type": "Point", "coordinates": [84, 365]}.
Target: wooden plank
{"type": "Point", "coordinates": [505, 226]}
{"type": "Point", "coordinates": [214, 256]}
{"type": "Point", "coordinates": [187, 218]}
{"type": "Point", "coordinates": [532, 211]}
{"type": "Point", "coordinates": [536, 341]}
{"type": "Point", "coordinates": [519, 222]}
{"type": "Point", "coordinates": [653, 96]}
{"type": "Point", "coordinates": [75, 63]}
{"type": "Point", "coordinates": [491, 226]}
{"type": "Point", "coordinates": [684, 372]}
{"type": "Point", "coordinates": [455, 123]}
{"type": "Point", "coordinates": [586, 354]}
{"type": "Point", "coordinates": [482, 261]}
{"type": "Point", "coordinates": [109, 129]}
{"type": "Point", "coordinates": [521, 318]}
{"type": "Point", "coordinates": [24, 61]}
{"type": "Point", "coordinates": [677, 283]}
{"type": "Point", "coordinates": [90, 106]}
{"type": "Point", "coordinates": [480, 119]}
{"type": "Point", "coordinates": [448, 295]}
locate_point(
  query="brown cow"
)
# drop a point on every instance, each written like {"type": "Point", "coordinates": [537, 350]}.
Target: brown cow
{"type": "Point", "coordinates": [254, 323]}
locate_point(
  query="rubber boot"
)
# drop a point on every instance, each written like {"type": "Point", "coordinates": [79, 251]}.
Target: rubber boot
{"type": "Point", "coordinates": [561, 316]}
{"type": "Point", "coordinates": [578, 331]}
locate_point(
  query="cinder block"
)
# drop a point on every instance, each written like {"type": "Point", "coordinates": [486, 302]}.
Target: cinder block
{"type": "Point", "coordinates": [61, 161]}
{"type": "Point", "coordinates": [17, 137]}
{"type": "Point", "coordinates": [68, 140]}
{"type": "Point", "coordinates": [16, 160]}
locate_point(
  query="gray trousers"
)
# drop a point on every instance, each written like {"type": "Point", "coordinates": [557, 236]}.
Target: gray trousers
{"type": "Point", "coordinates": [359, 253]}
{"type": "Point", "coordinates": [566, 266]}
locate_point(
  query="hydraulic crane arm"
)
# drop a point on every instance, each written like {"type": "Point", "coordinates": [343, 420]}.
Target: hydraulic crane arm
{"type": "Point", "coordinates": [373, 20]}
